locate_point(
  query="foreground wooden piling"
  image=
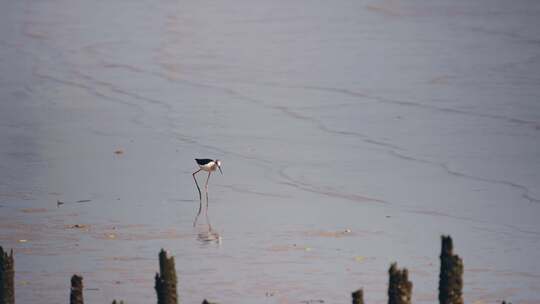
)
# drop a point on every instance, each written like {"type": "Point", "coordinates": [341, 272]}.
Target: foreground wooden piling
{"type": "Point", "coordinates": [76, 294]}
{"type": "Point", "coordinates": [7, 273]}
{"type": "Point", "coordinates": [451, 275]}
{"type": "Point", "coordinates": [358, 297]}
{"type": "Point", "coordinates": [166, 280]}
{"type": "Point", "coordinates": [399, 286]}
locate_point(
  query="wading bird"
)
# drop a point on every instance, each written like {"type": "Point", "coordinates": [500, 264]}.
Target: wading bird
{"type": "Point", "coordinates": [209, 166]}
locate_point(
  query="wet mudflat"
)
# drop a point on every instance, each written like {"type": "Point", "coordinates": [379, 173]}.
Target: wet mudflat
{"type": "Point", "coordinates": [352, 135]}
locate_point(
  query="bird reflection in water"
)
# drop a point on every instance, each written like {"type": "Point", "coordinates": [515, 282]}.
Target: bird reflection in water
{"type": "Point", "coordinates": [205, 233]}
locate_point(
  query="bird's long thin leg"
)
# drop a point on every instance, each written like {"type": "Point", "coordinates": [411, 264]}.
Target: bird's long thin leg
{"type": "Point", "coordinates": [200, 198]}
{"type": "Point", "coordinates": [206, 190]}
{"type": "Point", "coordinates": [200, 195]}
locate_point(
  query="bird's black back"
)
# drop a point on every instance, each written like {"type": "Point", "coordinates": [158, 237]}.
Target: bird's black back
{"type": "Point", "coordinates": [203, 161]}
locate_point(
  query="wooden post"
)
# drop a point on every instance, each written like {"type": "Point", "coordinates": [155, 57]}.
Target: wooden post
{"type": "Point", "coordinates": [166, 280]}
{"type": "Point", "coordinates": [7, 273]}
{"type": "Point", "coordinates": [114, 302]}
{"type": "Point", "coordinates": [358, 297]}
{"type": "Point", "coordinates": [399, 286]}
{"type": "Point", "coordinates": [76, 295]}
{"type": "Point", "coordinates": [206, 302]}
{"type": "Point", "coordinates": [451, 275]}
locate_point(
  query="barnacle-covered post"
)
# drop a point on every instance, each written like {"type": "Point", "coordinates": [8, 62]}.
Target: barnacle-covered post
{"type": "Point", "coordinates": [399, 286]}
{"type": "Point", "coordinates": [7, 273]}
{"type": "Point", "coordinates": [451, 275]}
{"type": "Point", "coordinates": [166, 280]}
{"type": "Point", "coordinates": [358, 297]}
{"type": "Point", "coordinates": [76, 294]}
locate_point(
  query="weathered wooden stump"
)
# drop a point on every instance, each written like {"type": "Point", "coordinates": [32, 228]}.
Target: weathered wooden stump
{"type": "Point", "coordinates": [7, 273]}
{"type": "Point", "coordinates": [166, 280]}
{"type": "Point", "coordinates": [76, 294]}
{"type": "Point", "coordinates": [451, 275]}
{"type": "Point", "coordinates": [399, 286]}
{"type": "Point", "coordinates": [358, 297]}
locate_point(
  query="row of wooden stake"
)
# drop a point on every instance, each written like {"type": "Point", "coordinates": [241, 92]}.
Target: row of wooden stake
{"type": "Point", "coordinates": [399, 286]}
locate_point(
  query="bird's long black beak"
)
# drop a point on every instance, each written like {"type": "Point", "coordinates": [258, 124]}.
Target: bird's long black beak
{"type": "Point", "coordinates": [219, 167]}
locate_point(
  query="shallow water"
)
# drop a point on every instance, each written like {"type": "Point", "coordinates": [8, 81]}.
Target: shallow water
{"type": "Point", "coordinates": [399, 122]}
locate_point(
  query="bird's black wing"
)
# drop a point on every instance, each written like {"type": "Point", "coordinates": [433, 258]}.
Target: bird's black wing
{"type": "Point", "coordinates": [203, 161]}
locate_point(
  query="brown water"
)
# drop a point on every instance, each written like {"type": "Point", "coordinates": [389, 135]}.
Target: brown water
{"type": "Point", "coordinates": [395, 121]}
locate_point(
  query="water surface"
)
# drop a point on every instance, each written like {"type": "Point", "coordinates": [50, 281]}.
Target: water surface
{"type": "Point", "coordinates": [397, 121]}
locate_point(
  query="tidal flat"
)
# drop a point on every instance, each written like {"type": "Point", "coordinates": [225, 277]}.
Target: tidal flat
{"type": "Point", "coordinates": [353, 134]}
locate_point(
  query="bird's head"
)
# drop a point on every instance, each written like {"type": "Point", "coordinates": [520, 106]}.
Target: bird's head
{"type": "Point", "coordinates": [218, 163]}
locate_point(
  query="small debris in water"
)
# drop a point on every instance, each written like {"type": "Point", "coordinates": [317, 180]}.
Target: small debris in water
{"type": "Point", "coordinates": [77, 226]}
{"type": "Point", "coordinates": [111, 236]}
{"type": "Point", "coordinates": [84, 201]}
{"type": "Point", "coordinates": [359, 258]}
{"type": "Point", "coordinates": [23, 241]}
{"type": "Point", "coordinates": [119, 152]}
{"type": "Point", "coordinates": [59, 203]}
{"type": "Point", "coordinates": [348, 230]}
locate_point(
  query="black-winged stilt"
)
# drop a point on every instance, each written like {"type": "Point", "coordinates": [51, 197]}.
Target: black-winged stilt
{"type": "Point", "coordinates": [208, 165]}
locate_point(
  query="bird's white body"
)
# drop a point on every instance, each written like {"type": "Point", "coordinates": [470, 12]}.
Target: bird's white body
{"type": "Point", "coordinates": [209, 167]}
